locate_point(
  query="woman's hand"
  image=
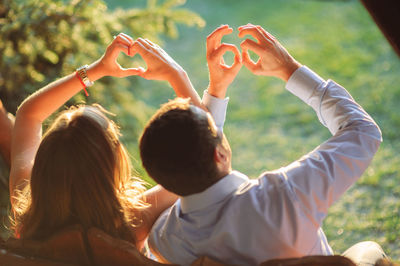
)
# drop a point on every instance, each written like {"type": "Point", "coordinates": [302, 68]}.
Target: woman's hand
{"type": "Point", "coordinates": [107, 65]}
{"type": "Point", "coordinates": [221, 75]}
{"type": "Point", "coordinates": [160, 66]}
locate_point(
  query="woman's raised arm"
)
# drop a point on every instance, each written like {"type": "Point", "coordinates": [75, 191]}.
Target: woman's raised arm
{"type": "Point", "coordinates": [160, 66]}
{"type": "Point", "coordinates": [41, 104]}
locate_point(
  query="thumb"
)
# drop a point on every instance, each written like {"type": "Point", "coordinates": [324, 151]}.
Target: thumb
{"type": "Point", "coordinates": [147, 74]}
{"type": "Point", "coordinates": [126, 72]}
{"type": "Point", "coordinates": [247, 62]}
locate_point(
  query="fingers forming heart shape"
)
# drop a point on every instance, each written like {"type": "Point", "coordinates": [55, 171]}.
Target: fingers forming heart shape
{"type": "Point", "coordinates": [216, 50]}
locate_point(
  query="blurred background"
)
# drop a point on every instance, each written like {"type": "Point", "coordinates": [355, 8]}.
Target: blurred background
{"type": "Point", "coordinates": [267, 126]}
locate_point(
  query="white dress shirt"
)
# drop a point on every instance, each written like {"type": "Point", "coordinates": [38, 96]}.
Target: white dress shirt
{"type": "Point", "coordinates": [245, 222]}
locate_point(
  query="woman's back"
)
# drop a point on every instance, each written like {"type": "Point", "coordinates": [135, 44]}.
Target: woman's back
{"type": "Point", "coordinates": [81, 175]}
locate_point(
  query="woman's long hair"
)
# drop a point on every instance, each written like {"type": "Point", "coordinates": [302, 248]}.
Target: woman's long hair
{"type": "Point", "coordinates": [81, 175]}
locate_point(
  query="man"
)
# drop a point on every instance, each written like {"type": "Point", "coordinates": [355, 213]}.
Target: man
{"type": "Point", "coordinates": [221, 213]}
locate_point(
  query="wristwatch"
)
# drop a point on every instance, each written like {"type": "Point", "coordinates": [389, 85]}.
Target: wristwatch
{"type": "Point", "coordinates": [81, 72]}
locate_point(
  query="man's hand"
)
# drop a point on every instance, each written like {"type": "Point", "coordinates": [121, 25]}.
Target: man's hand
{"type": "Point", "coordinates": [221, 75]}
{"type": "Point", "coordinates": [274, 59]}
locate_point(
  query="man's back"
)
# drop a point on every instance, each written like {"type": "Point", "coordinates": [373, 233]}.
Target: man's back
{"type": "Point", "coordinates": [225, 228]}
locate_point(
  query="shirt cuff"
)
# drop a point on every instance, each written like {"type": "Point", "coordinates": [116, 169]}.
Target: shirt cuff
{"type": "Point", "coordinates": [303, 82]}
{"type": "Point", "coordinates": [217, 107]}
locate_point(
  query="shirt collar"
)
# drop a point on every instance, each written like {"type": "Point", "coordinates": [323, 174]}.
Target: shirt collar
{"type": "Point", "coordinates": [214, 194]}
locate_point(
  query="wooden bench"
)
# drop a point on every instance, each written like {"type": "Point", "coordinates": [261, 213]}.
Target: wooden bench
{"type": "Point", "coordinates": [76, 246]}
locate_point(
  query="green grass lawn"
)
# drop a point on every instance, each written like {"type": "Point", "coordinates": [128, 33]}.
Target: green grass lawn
{"type": "Point", "coordinates": [268, 127]}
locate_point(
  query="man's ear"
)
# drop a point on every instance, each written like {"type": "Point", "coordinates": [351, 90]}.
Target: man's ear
{"type": "Point", "coordinates": [221, 157]}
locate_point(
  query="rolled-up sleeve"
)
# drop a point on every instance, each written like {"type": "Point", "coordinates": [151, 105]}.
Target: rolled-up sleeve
{"type": "Point", "coordinates": [217, 107]}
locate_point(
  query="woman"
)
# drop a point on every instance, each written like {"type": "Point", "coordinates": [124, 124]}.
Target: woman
{"type": "Point", "coordinates": [79, 172]}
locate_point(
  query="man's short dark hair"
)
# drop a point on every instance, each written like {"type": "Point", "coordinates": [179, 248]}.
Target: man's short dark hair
{"type": "Point", "coordinates": [177, 148]}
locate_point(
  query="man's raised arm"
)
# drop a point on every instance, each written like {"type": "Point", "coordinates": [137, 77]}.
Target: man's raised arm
{"type": "Point", "coordinates": [221, 75]}
{"type": "Point", "coordinates": [322, 176]}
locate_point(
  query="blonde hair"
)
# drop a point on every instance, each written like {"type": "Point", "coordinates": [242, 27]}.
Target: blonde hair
{"type": "Point", "coordinates": [81, 175]}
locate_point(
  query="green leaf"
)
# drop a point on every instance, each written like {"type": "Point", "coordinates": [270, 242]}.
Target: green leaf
{"type": "Point", "coordinates": [51, 56]}
{"type": "Point", "coordinates": [173, 3]}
